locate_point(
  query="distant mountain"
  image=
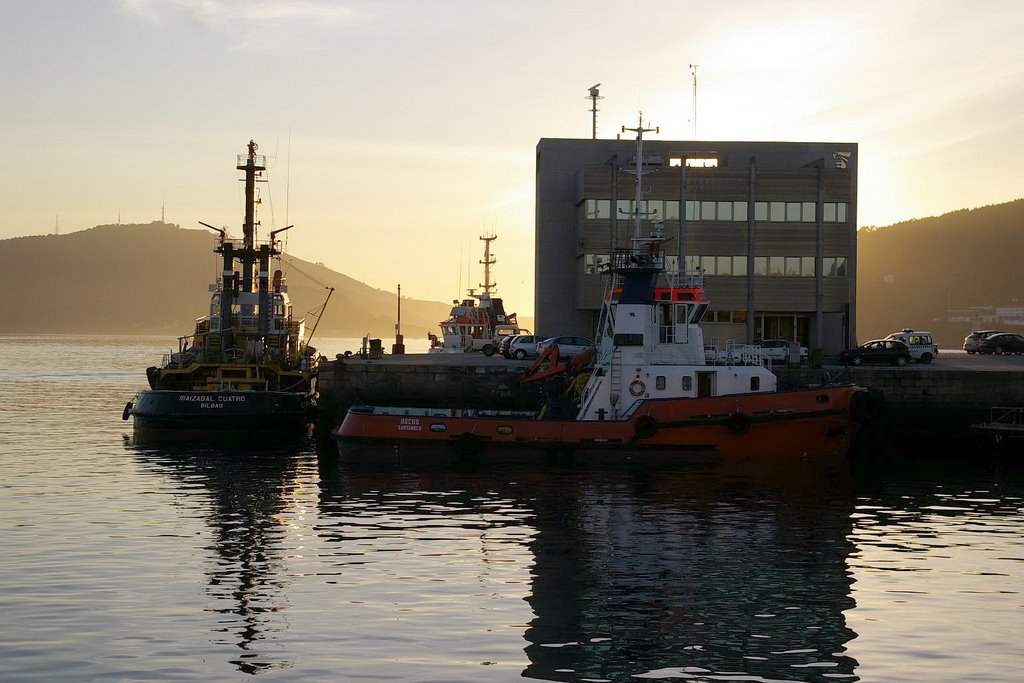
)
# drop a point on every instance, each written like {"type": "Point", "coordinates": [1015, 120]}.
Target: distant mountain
{"type": "Point", "coordinates": [909, 274]}
{"type": "Point", "coordinates": [153, 279]}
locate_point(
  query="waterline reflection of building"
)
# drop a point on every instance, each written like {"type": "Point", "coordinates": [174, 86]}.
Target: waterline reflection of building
{"type": "Point", "coordinates": [632, 571]}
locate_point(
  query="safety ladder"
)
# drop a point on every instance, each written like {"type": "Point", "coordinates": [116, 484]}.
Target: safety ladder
{"type": "Point", "coordinates": [615, 378]}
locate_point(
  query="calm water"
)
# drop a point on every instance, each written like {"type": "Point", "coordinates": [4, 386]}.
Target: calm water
{"type": "Point", "coordinates": [133, 563]}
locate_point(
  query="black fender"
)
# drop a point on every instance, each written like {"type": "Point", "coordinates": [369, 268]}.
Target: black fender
{"type": "Point", "coordinates": [866, 406]}
{"type": "Point", "coordinates": [738, 424]}
{"type": "Point", "coordinates": [645, 427]}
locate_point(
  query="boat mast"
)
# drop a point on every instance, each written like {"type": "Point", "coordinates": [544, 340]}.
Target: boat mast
{"type": "Point", "coordinates": [487, 262]}
{"type": "Point", "coordinates": [253, 164]}
{"type": "Point", "coordinates": [639, 215]}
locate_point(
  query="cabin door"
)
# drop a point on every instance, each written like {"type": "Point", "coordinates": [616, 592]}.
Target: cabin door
{"type": "Point", "coordinates": [705, 384]}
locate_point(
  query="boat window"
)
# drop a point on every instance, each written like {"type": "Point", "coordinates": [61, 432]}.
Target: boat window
{"type": "Point", "coordinates": [698, 313]}
{"type": "Point", "coordinates": [687, 383]}
{"type": "Point", "coordinates": [682, 314]}
{"type": "Point", "coordinates": [659, 382]}
{"type": "Point", "coordinates": [628, 339]}
{"type": "Point", "coordinates": [755, 383]}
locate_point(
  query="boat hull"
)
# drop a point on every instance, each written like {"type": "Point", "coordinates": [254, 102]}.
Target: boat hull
{"type": "Point", "coordinates": [802, 423]}
{"type": "Point", "coordinates": [225, 411]}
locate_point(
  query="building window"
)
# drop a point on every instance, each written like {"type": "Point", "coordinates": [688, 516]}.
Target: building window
{"type": "Point", "coordinates": [793, 266]}
{"type": "Point", "coordinates": [598, 208]}
{"type": "Point", "coordinates": [691, 210]}
{"type": "Point", "coordinates": [739, 317]}
{"type": "Point", "coordinates": [593, 263]}
{"type": "Point", "coordinates": [833, 266]}
{"type": "Point", "coordinates": [807, 266]}
{"type": "Point", "coordinates": [739, 211]}
{"type": "Point", "coordinates": [760, 265]}
{"type": "Point", "coordinates": [671, 209]}
{"type": "Point", "coordinates": [793, 212]}
{"type": "Point", "coordinates": [835, 212]}
{"type": "Point", "coordinates": [656, 209]}
{"type": "Point", "coordinates": [707, 211]}
{"type": "Point", "coordinates": [708, 264]}
{"type": "Point", "coordinates": [725, 211]}
{"type": "Point", "coordinates": [807, 213]}
{"type": "Point", "coordinates": [777, 212]}
{"type": "Point", "coordinates": [692, 262]}
{"type": "Point", "coordinates": [776, 265]}
{"type": "Point", "coordinates": [723, 265]}
{"type": "Point", "coordinates": [760, 211]}
{"type": "Point", "coordinates": [739, 265]}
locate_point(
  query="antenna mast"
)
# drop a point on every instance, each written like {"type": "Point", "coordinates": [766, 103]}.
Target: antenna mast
{"type": "Point", "coordinates": [639, 215]}
{"type": "Point", "coordinates": [693, 70]}
{"type": "Point", "coordinates": [594, 97]}
{"type": "Point", "coordinates": [487, 262]}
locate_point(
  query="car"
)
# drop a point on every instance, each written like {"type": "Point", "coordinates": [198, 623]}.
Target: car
{"type": "Point", "coordinates": [877, 351]}
{"type": "Point", "coordinates": [778, 350]}
{"type": "Point", "coordinates": [971, 340]}
{"type": "Point", "coordinates": [521, 346]}
{"type": "Point", "coordinates": [922, 344]}
{"type": "Point", "coordinates": [1004, 342]}
{"type": "Point", "coordinates": [567, 346]}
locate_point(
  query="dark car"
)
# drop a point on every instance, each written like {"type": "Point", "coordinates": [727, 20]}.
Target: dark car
{"type": "Point", "coordinates": [1005, 342]}
{"type": "Point", "coordinates": [883, 351]}
{"type": "Point", "coordinates": [971, 340]}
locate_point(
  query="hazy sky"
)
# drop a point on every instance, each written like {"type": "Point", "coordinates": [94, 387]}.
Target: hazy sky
{"type": "Point", "coordinates": [397, 132]}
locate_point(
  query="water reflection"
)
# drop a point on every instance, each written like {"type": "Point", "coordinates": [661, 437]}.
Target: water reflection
{"type": "Point", "coordinates": [247, 581]}
{"type": "Point", "coordinates": [662, 572]}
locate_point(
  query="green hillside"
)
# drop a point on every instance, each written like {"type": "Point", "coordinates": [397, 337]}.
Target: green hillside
{"type": "Point", "coordinates": [154, 278]}
{"type": "Point", "coordinates": [909, 274]}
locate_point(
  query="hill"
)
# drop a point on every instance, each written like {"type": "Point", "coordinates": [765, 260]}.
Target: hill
{"type": "Point", "coordinates": [153, 279]}
{"type": "Point", "coordinates": [910, 274]}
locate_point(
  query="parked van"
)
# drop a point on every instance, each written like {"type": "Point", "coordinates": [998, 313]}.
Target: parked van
{"type": "Point", "coordinates": [922, 344]}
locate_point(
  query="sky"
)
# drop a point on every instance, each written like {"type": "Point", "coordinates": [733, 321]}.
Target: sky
{"type": "Point", "coordinates": [398, 132]}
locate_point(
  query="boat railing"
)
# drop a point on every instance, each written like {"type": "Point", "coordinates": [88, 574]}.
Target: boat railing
{"type": "Point", "coordinates": [1006, 415]}
{"type": "Point", "coordinates": [733, 353]}
{"type": "Point", "coordinates": [685, 279]}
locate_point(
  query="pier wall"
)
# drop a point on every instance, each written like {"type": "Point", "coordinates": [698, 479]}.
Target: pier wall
{"type": "Point", "coordinates": [920, 401]}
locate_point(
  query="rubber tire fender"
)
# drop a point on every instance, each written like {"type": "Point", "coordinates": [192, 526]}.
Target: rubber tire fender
{"type": "Point", "coordinates": [645, 427]}
{"type": "Point", "coordinates": [738, 424]}
{"type": "Point", "coordinates": [866, 406]}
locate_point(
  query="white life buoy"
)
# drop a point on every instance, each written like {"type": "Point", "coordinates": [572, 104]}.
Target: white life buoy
{"type": "Point", "coordinates": [637, 387]}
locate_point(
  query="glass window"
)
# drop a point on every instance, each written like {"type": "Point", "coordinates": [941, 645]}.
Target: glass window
{"type": "Point", "coordinates": [739, 265]}
{"type": "Point", "coordinates": [687, 383]}
{"type": "Point", "coordinates": [828, 266]}
{"type": "Point", "coordinates": [807, 212]}
{"type": "Point", "coordinates": [760, 265]}
{"type": "Point", "coordinates": [793, 212]}
{"type": "Point", "coordinates": [755, 383]}
{"type": "Point", "coordinates": [777, 212]}
{"type": "Point", "coordinates": [659, 382]}
{"type": "Point", "coordinates": [598, 208]}
{"type": "Point", "coordinates": [739, 317]}
{"type": "Point", "coordinates": [593, 262]}
{"type": "Point", "coordinates": [841, 212]}
{"type": "Point", "coordinates": [725, 211]}
{"type": "Point", "coordinates": [830, 212]}
{"type": "Point", "coordinates": [841, 266]}
{"type": "Point", "coordinates": [708, 264]}
{"type": "Point", "coordinates": [793, 266]}
{"type": "Point", "coordinates": [707, 211]}
{"type": "Point", "coordinates": [692, 262]}
{"type": "Point", "coordinates": [807, 266]}
{"type": "Point", "coordinates": [672, 209]}
{"type": "Point", "coordinates": [760, 211]}
{"type": "Point", "coordinates": [739, 211]}
{"type": "Point", "coordinates": [671, 262]}
{"type": "Point", "coordinates": [724, 265]}
{"type": "Point", "coordinates": [776, 265]}
{"type": "Point", "coordinates": [625, 207]}
{"type": "Point", "coordinates": [656, 206]}
{"type": "Point", "coordinates": [691, 210]}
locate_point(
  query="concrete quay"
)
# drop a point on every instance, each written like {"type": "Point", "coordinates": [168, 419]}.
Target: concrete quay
{"type": "Point", "coordinates": [935, 401]}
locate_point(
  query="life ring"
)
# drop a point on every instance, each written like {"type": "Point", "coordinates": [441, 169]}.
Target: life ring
{"type": "Point", "coordinates": [738, 424]}
{"type": "Point", "coordinates": [645, 427]}
{"type": "Point", "coordinates": [637, 387]}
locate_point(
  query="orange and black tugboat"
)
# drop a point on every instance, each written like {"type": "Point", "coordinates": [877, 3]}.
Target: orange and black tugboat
{"type": "Point", "coordinates": [647, 386]}
{"type": "Point", "coordinates": [248, 366]}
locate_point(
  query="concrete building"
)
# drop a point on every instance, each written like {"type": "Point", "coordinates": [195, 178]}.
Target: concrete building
{"type": "Point", "coordinates": [773, 225]}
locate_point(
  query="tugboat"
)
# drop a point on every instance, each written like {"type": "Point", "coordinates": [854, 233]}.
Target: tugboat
{"type": "Point", "coordinates": [248, 366]}
{"type": "Point", "coordinates": [650, 386]}
{"type": "Point", "coordinates": [479, 321]}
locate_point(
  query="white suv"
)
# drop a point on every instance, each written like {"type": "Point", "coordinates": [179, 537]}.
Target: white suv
{"type": "Point", "coordinates": [922, 344]}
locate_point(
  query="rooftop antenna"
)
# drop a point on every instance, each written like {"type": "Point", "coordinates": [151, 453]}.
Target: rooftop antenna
{"type": "Point", "coordinates": [594, 97]}
{"type": "Point", "coordinates": [693, 70]}
{"type": "Point", "coordinates": [163, 204]}
{"type": "Point", "coordinates": [487, 262]}
{"type": "Point", "coordinates": [639, 215]}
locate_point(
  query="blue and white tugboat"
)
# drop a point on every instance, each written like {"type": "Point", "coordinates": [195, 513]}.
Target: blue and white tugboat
{"type": "Point", "coordinates": [247, 367]}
